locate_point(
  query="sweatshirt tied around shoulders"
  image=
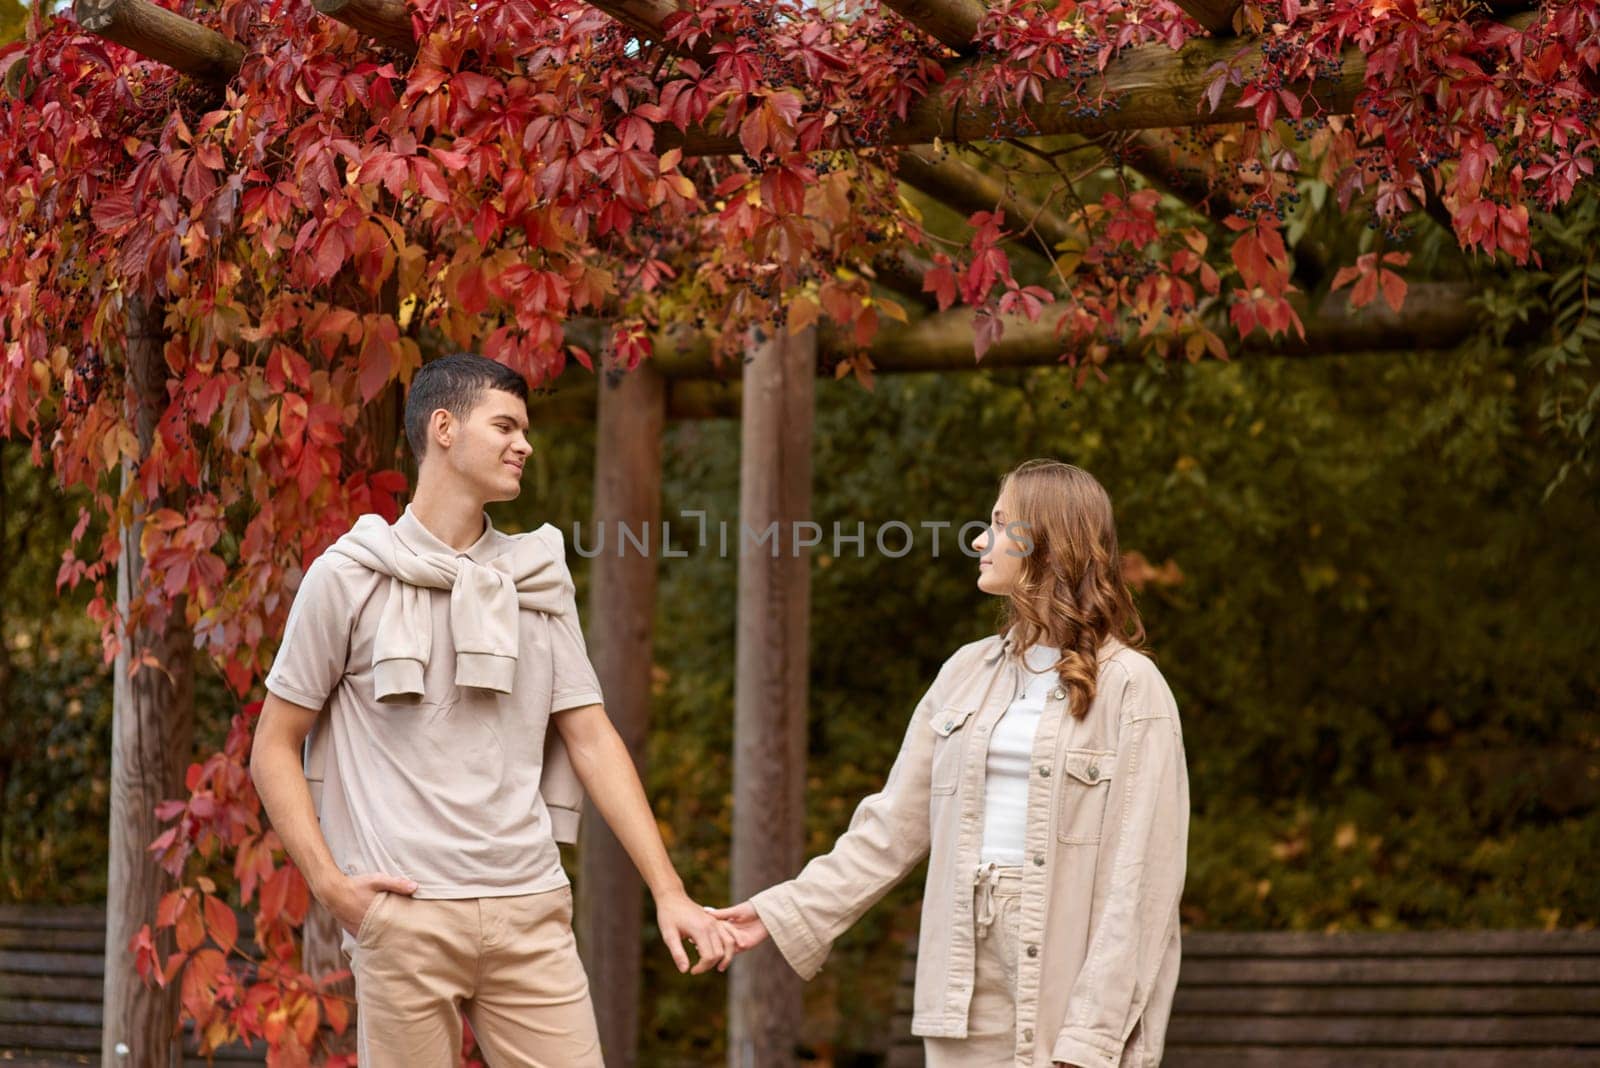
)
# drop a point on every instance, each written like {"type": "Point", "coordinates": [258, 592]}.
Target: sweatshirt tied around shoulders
{"type": "Point", "coordinates": [437, 672]}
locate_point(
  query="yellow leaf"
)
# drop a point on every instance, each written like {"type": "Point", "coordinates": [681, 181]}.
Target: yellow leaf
{"type": "Point", "coordinates": [802, 313]}
{"type": "Point", "coordinates": [893, 310]}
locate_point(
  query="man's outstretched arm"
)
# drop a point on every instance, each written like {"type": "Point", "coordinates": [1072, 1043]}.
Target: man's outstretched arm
{"type": "Point", "coordinates": [600, 757]}
{"type": "Point", "coordinates": [281, 782]}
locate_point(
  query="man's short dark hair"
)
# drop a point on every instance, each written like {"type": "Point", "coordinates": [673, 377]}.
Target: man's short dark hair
{"type": "Point", "coordinates": [455, 383]}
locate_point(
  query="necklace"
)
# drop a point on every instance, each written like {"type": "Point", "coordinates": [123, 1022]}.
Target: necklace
{"type": "Point", "coordinates": [1031, 683]}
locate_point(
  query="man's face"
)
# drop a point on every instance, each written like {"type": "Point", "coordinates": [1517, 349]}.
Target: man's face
{"type": "Point", "coordinates": [488, 448]}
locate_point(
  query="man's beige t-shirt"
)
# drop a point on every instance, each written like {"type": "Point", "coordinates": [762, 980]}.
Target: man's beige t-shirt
{"type": "Point", "coordinates": [443, 790]}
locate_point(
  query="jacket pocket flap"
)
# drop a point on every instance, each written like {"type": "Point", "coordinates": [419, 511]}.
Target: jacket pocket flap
{"type": "Point", "coordinates": [1091, 766]}
{"type": "Point", "coordinates": [949, 720]}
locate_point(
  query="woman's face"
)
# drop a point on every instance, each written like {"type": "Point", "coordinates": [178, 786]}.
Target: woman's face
{"type": "Point", "coordinates": [1003, 546]}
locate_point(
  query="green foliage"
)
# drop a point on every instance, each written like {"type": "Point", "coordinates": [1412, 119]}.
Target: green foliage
{"type": "Point", "coordinates": [13, 21]}
{"type": "Point", "coordinates": [1381, 642]}
{"type": "Point", "coordinates": [55, 703]}
{"type": "Point", "coordinates": [1559, 304]}
{"type": "Point", "coordinates": [55, 769]}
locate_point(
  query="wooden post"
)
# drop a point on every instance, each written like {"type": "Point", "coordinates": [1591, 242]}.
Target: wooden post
{"type": "Point", "coordinates": [320, 956]}
{"type": "Point", "coordinates": [770, 691]}
{"type": "Point", "coordinates": [152, 735]}
{"type": "Point", "coordinates": [631, 413]}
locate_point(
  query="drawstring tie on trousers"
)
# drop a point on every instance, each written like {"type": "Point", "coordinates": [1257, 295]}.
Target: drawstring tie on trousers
{"type": "Point", "coordinates": [986, 880]}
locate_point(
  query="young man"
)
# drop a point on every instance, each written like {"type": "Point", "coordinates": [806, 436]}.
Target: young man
{"type": "Point", "coordinates": [432, 657]}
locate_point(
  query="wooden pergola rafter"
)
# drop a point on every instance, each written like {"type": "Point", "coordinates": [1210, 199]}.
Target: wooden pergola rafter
{"type": "Point", "coordinates": [1437, 316]}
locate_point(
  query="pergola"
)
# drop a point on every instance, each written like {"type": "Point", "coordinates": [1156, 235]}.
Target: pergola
{"type": "Point", "coordinates": [772, 392]}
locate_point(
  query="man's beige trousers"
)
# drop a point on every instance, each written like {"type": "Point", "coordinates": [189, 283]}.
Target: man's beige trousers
{"type": "Point", "coordinates": [509, 963]}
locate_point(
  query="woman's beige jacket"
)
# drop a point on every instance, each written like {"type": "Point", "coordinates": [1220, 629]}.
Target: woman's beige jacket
{"type": "Point", "coordinates": [1106, 841]}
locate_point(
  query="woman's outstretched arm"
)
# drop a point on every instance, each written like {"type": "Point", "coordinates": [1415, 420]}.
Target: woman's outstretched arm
{"type": "Point", "coordinates": [887, 837]}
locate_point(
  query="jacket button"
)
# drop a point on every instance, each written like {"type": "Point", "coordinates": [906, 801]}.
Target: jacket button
{"type": "Point", "coordinates": [1044, 771]}
{"type": "Point", "coordinates": [1058, 693]}
{"type": "Point", "coordinates": [1038, 860]}
{"type": "Point", "coordinates": [1093, 773]}
{"type": "Point", "coordinates": [1033, 951]}
{"type": "Point", "coordinates": [1027, 1035]}
{"type": "Point", "coordinates": [949, 724]}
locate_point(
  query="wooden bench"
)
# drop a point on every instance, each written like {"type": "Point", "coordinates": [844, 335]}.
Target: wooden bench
{"type": "Point", "coordinates": [1462, 999]}
{"type": "Point", "coordinates": [52, 965]}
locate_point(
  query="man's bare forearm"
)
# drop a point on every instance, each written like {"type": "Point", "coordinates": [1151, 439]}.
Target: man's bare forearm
{"type": "Point", "coordinates": [281, 783]}
{"type": "Point", "coordinates": [604, 766]}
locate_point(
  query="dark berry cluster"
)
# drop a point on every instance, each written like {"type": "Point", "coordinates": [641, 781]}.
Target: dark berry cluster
{"type": "Point", "coordinates": [88, 376]}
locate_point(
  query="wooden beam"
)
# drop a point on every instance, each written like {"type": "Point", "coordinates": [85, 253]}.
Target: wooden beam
{"type": "Point", "coordinates": [964, 188]}
{"type": "Point", "coordinates": [152, 739]}
{"type": "Point", "coordinates": [953, 23]}
{"type": "Point", "coordinates": [1436, 315]}
{"type": "Point", "coordinates": [1215, 15]}
{"type": "Point", "coordinates": [968, 190]}
{"type": "Point", "coordinates": [1143, 88]}
{"type": "Point", "coordinates": [630, 415]}
{"type": "Point", "coordinates": [164, 36]}
{"type": "Point", "coordinates": [770, 680]}
{"type": "Point", "coordinates": [902, 269]}
{"type": "Point", "coordinates": [1436, 318]}
{"type": "Point", "coordinates": [644, 17]}
{"type": "Point", "coordinates": [386, 21]}
{"type": "Point", "coordinates": [648, 18]}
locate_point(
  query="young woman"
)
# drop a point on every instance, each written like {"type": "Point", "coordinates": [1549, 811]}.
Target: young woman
{"type": "Point", "coordinates": [1043, 778]}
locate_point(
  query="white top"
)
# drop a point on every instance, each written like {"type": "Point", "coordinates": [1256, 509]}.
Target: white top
{"type": "Point", "coordinates": [1005, 795]}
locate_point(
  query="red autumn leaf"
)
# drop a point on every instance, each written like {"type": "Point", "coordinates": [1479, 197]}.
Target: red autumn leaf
{"type": "Point", "coordinates": [188, 924]}
{"type": "Point", "coordinates": [292, 421]}
{"type": "Point", "coordinates": [941, 282]}
{"type": "Point", "coordinates": [146, 961]}
{"type": "Point", "coordinates": [986, 330]}
{"type": "Point", "coordinates": [221, 923]}
{"type": "Point", "coordinates": [200, 978]}
{"type": "Point", "coordinates": [376, 362]}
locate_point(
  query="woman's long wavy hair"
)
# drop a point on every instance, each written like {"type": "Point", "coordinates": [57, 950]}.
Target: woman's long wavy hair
{"type": "Point", "coordinates": [1069, 592]}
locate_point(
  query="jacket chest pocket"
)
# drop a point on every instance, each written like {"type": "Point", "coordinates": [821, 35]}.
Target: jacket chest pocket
{"type": "Point", "coordinates": [1085, 786]}
{"type": "Point", "coordinates": [947, 744]}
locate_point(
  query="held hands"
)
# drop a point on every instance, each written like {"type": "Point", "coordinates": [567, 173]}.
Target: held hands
{"type": "Point", "coordinates": [681, 920]}
{"type": "Point", "coordinates": [350, 899]}
{"type": "Point", "coordinates": [744, 923]}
